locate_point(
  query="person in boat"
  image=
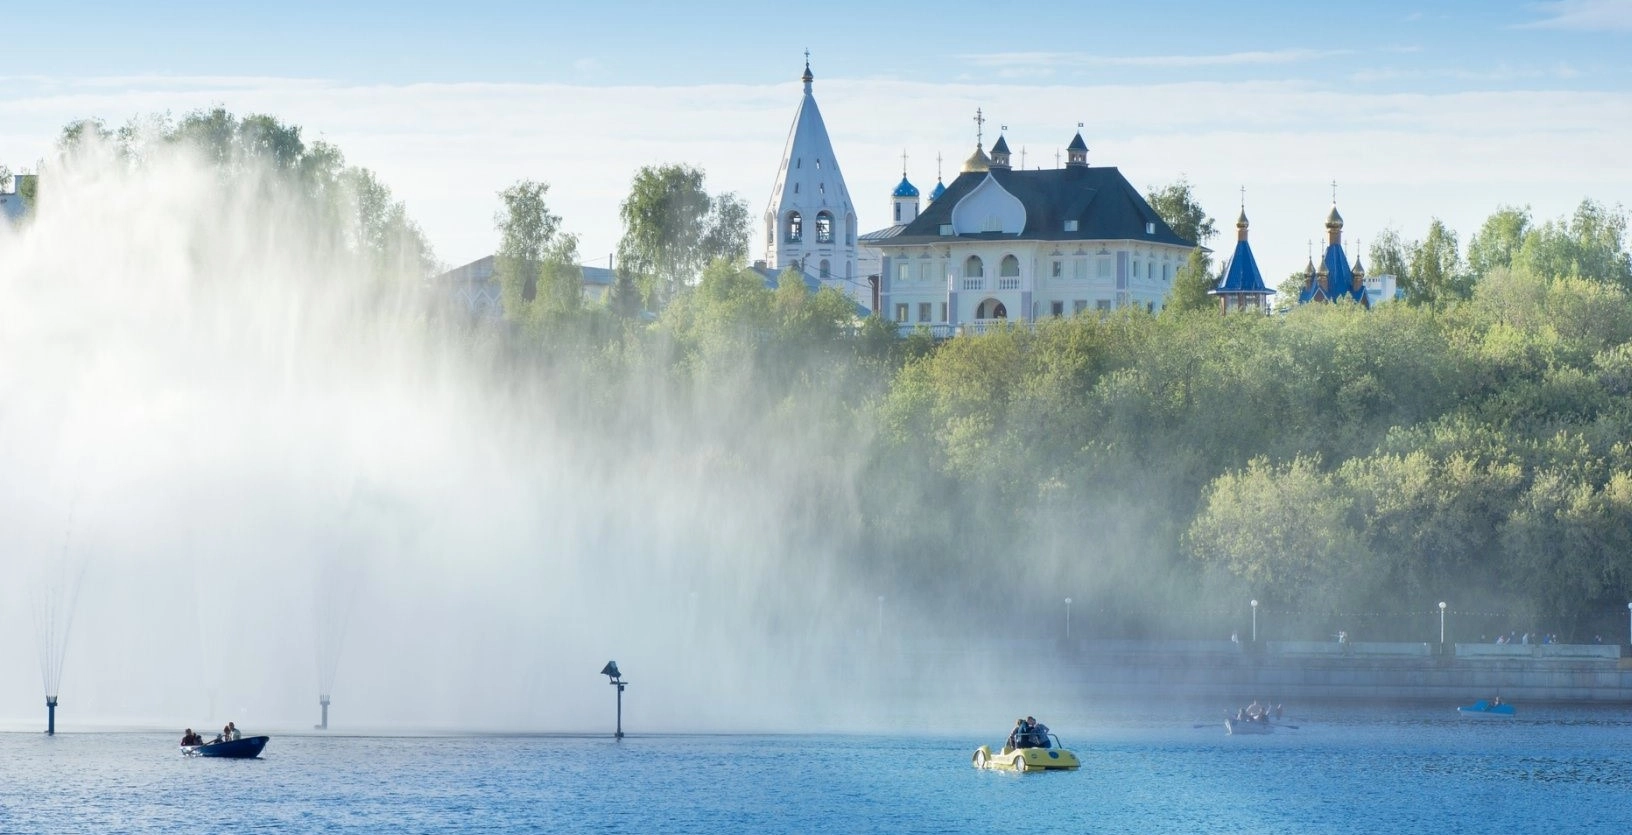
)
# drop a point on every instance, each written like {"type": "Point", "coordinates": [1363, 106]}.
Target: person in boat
{"type": "Point", "coordinates": [1039, 733]}
{"type": "Point", "coordinates": [1020, 737]}
{"type": "Point", "coordinates": [1496, 702]}
{"type": "Point", "coordinates": [232, 734]}
{"type": "Point", "coordinates": [1255, 711]}
{"type": "Point", "coordinates": [191, 738]}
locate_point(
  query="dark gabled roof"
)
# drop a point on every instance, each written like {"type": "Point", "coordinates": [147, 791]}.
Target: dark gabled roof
{"type": "Point", "coordinates": [1077, 144]}
{"type": "Point", "coordinates": [1002, 146]}
{"type": "Point", "coordinates": [1243, 277]}
{"type": "Point", "coordinates": [881, 234]}
{"type": "Point", "coordinates": [1102, 201]}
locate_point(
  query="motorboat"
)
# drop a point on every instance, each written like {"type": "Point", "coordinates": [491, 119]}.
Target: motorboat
{"type": "Point", "coordinates": [1487, 710]}
{"type": "Point", "coordinates": [1053, 757]}
{"type": "Point", "coordinates": [246, 748]}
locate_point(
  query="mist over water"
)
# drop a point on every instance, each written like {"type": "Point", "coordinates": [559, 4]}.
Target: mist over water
{"type": "Point", "coordinates": [250, 471]}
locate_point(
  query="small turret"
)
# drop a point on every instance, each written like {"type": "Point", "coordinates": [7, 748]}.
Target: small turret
{"type": "Point", "coordinates": [1076, 154]}
{"type": "Point", "coordinates": [904, 200]}
{"type": "Point", "coordinates": [1000, 154]}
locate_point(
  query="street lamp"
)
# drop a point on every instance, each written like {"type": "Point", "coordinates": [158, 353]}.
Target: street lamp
{"type": "Point", "coordinates": [1255, 621]}
{"type": "Point", "coordinates": [615, 679]}
{"type": "Point", "coordinates": [1442, 623]}
{"type": "Point", "coordinates": [1068, 618]}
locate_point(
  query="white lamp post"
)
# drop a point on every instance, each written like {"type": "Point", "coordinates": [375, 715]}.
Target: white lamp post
{"type": "Point", "coordinates": [1068, 618]}
{"type": "Point", "coordinates": [1255, 621]}
{"type": "Point", "coordinates": [1442, 623]}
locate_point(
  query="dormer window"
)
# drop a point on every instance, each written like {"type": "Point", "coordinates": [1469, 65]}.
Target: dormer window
{"type": "Point", "coordinates": [796, 228]}
{"type": "Point", "coordinates": [824, 228]}
{"type": "Point", "coordinates": [1070, 226]}
{"type": "Point", "coordinates": [1150, 228]}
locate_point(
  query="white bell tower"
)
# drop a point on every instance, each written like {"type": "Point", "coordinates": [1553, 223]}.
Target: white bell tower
{"type": "Point", "coordinates": [811, 223]}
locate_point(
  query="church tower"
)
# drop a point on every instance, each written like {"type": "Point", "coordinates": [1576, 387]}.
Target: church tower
{"type": "Point", "coordinates": [810, 223]}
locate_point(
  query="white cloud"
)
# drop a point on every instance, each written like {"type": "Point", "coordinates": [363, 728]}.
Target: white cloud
{"type": "Point", "coordinates": [1070, 60]}
{"type": "Point", "coordinates": [1585, 15]}
{"type": "Point", "coordinates": [447, 149]}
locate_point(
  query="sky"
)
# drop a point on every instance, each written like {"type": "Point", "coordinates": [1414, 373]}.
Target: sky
{"type": "Point", "coordinates": [1415, 110]}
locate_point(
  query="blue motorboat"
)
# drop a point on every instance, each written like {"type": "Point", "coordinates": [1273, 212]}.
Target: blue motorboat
{"type": "Point", "coordinates": [1497, 709]}
{"type": "Point", "coordinates": [247, 748]}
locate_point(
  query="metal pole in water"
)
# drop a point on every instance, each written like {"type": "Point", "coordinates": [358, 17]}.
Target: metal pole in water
{"type": "Point", "coordinates": [324, 701]}
{"type": "Point", "coordinates": [619, 733]}
{"type": "Point", "coordinates": [50, 715]}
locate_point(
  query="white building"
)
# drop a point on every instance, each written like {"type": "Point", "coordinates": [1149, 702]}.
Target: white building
{"type": "Point", "coordinates": [1001, 244]}
{"type": "Point", "coordinates": [810, 223]}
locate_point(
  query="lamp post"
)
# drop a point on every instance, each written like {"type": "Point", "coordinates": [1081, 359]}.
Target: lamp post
{"type": "Point", "coordinates": [1442, 624]}
{"type": "Point", "coordinates": [615, 679]}
{"type": "Point", "coordinates": [1068, 618]}
{"type": "Point", "coordinates": [51, 714]}
{"type": "Point", "coordinates": [1255, 621]}
{"type": "Point", "coordinates": [323, 701]}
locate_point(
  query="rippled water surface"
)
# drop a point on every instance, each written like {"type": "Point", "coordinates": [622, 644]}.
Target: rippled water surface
{"type": "Point", "coordinates": [1338, 770]}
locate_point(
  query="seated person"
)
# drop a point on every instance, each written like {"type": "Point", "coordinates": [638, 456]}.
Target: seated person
{"type": "Point", "coordinates": [191, 738]}
{"type": "Point", "coordinates": [1039, 733]}
{"type": "Point", "coordinates": [1020, 737]}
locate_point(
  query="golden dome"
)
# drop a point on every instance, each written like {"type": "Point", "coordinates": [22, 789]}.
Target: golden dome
{"type": "Point", "coordinates": [1241, 221]}
{"type": "Point", "coordinates": [977, 161]}
{"type": "Point", "coordinates": [1334, 220]}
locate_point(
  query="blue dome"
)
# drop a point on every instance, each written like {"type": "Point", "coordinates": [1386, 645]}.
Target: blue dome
{"type": "Point", "coordinates": [906, 189]}
{"type": "Point", "coordinates": [940, 189]}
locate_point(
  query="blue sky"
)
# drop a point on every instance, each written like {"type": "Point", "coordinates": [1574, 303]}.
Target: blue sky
{"type": "Point", "coordinates": [1445, 109]}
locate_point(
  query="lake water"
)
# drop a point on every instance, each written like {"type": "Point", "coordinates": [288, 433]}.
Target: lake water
{"type": "Point", "coordinates": [1340, 770]}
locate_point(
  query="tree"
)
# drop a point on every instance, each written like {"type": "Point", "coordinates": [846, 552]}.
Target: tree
{"type": "Point", "coordinates": [1591, 244]}
{"type": "Point", "coordinates": [1434, 274]}
{"type": "Point", "coordinates": [673, 229]}
{"type": "Point", "coordinates": [527, 230]}
{"type": "Point", "coordinates": [1177, 206]}
{"type": "Point", "coordinates": [1387, 255]}
{"type": "Point", "coordinates": [1499, 240]}
{"type": "Point", "coordinates": [1191, 285]}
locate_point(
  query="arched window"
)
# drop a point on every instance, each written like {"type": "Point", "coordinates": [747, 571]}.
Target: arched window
{"type": "Point", "coordinates": [973, 268]}
{"type": "Point", "coordinates": [991, 309]}
{"type": "Point", "coordinates": [1010, 268]}
{"type": "Point", "coordinates": [827, 269]}
{"type": "Point", "coordinates": [770, 231]}
{"type": "Point", "coordinates": [824, 228]}
{"type": "Point", "coordinates": [796, 228]}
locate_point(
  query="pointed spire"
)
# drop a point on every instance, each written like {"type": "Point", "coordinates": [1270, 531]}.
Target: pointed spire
{"type": "Point", "coordinates": [1076, 154]}
{"type": "Point", "coordinates": [1000, 153]}
{"type": "Point", "coordinates": [1241, 219]}
{"type": "Point", "coordinates": [807, 77]}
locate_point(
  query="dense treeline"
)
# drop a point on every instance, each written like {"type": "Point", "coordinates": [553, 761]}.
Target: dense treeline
{"type": "Point", "coordinates": [1347, 468]}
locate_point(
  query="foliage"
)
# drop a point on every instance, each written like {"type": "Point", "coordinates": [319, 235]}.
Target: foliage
{"type": "Point", "coordinates": [673, 228]}
{"type": "Point", "coordinates": [1191, 285]}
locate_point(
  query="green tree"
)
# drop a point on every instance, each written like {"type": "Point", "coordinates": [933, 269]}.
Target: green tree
{"type": "Point", "coordinates": [527, 232]}
{"type": "Point", "coordinates": [1191, 285]}
{"type": "Point", "coordinates": [1387, 255]}
{"type": "Point", "coordinates": [1177, 206]}
{"type": "Point", "coordinates": [1499, 240]}
{"type": "Point", "coordinates": [1434, 275]}
{"type": "Point", "coordinates": [1590, 244]}
{"type": "Point", "coordinates": [673, 228]}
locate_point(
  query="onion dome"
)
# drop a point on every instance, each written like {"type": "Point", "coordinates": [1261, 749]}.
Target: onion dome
{"type": "Point", "coordinates": [940, 189]}
{"type": "Point", "coordinates": [905, 189]}
{"type": "Point", "coordinates": [807, 77]}
{"type": "Point", "coordinates": [1333, 219]}
{"type": "Point", "coordinates": [1241, 220]}
{"type": "Point", "coordinates": [977, 161]}
{"type": "Point", "coordinates": [1359, 268]}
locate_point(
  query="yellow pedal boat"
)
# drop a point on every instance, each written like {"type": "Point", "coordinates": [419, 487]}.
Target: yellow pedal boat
{"type": "Point", "coordinates": [1053, 758]}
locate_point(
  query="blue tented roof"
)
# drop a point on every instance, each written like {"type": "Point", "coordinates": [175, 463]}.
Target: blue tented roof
{"type": "Point", "coordinates": [1243, 276]}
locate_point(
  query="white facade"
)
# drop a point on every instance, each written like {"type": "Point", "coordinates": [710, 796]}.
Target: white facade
{"type": "Point", "coordinates": [810, 223]}
{"type": "Point", "coordinates": [991, 256]}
